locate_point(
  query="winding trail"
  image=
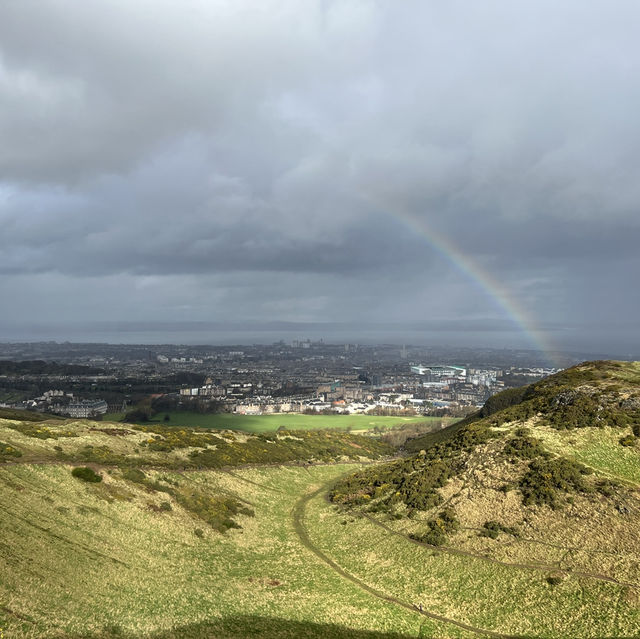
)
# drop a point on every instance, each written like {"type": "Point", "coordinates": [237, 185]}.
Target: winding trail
{"type": "Point", "coordinates": [298, 514]}
{"type": "Point", "coordinates": [526, 566]}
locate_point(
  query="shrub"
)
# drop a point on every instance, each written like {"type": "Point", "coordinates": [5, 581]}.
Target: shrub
{"type": "Point", "coordinates": [493, 528]}
{"type": "Point", "coordinates": [545, 477]}
{"type": "Point", "coordinates": [438, 529]}
{"type": "Point", "coordinates": [198, 532]}
{"type": "Point", "coordinates": [7, 450]}
{"type": "Point", "coordinates": [432, 536]}
{"type": "Point", "coordinates": [524, 447]}
{"type": "Point", "coordinates": [135, 475]}
{"type": "Point", "coordinates": [414, 480]}
{"type": "Point", "coordinates": [86, 474]}
{"type": "Point", "coordinates": [39, 431]}
{"type": "Point", "coordinates": [218, 512]}
{"type": "Point", "coordinates": [502, 400]}
{"type": "Point", "coordinates": [628, 440]}
{"type": "Point", "coordinates": [606, 487]}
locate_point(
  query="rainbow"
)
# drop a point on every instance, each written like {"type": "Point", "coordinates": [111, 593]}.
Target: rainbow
{"type": "Point", "coordinates": [485, 281]}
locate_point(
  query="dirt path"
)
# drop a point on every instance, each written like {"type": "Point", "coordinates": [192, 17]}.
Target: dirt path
{"type": "Point", "coordinates": [526, 566]}
{"type": "Point", "coordinates": [298, 524]}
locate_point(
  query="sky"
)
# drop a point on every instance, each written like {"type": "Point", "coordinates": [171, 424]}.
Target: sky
{"type": "Point", "coordinates": [412, 171]}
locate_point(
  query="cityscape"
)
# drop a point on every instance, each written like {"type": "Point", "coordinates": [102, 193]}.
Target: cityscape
{"type": "Point", "coordinates": [296, 377]}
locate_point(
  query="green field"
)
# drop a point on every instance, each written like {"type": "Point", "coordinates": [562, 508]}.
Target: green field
{"type": "Point", "coordinates": [267, 423]}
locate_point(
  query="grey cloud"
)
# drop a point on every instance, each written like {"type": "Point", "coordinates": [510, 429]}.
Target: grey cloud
{"type": "Point", "coordinates": [221, 146]}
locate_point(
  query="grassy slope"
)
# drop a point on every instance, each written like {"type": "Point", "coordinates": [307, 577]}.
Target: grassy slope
{"type": "Point", "coordinates": [598, 448]}
{"type": "Point", "coordinates": [508, 599]}
{"type": "Point", "coordinates": [269, 423]}
{"type": "Point", "coordinates": [302, 567]}
{"type": "Point", "coordinates": [173, 447]}
{"type": "Point", "coordinates": [110, 566]}
{"type": "Point", "coordinates": [115, 567]}
{"type": "Point", "coordinates": [588, 542]}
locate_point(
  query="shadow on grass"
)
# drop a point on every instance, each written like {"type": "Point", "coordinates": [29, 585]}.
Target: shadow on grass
{"type": "Point", "coordinates": [250, 626]}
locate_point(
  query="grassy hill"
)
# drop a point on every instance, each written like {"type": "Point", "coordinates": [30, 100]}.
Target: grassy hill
{"type": "Point", "coordinates": [512, 523]}
{"type": "Point", "coordinates": [544, 478]}
{"type": "Point", "coordinates": [157, 445]}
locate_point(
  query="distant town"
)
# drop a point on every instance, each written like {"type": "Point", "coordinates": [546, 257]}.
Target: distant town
{"type": "Point", "coordinates": [92, 380]}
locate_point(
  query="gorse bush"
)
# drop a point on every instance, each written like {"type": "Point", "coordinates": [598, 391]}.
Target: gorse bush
{"type": "Point", "coordinates": [439, 528]}
{"type": "Point", "coordinates": [492, 529]}
{"type": "Point", "coordinates": [8, 450]}
{"type": "Point", "coordinates": [216, 511]}
{"type": "Point", "coordinates": [39, 431]}
{"type": "Point", "coordinates": [414, 480]}
{"type": "Point", "coordinates": [546, 478]}
{"type": "Point", "coordinates": [524, 447]}
{"type": "Point", "coordinates": [505, 399]}
{"type": "Point", "coordinates": [288, 447]}
{"type": "Point", "coordinates": [135, 475]}
{"type": "Point", "coordinates": [628, 440]}
{"type": "Point", "coordinates": [222, 449]}
{"type": "Point", "coordinates": [86, 474]}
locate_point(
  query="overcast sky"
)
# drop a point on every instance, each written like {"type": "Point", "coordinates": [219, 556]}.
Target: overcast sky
{"type": "Point", "coordinates": [239, 162]}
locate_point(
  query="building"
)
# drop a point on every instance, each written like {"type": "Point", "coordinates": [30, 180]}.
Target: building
{"type": "Point", "coordinates": [436, 373]}
{"type": "Point", "coordinates": [86, 408]}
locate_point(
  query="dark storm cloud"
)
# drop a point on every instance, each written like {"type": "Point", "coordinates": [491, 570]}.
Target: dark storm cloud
{"type": "Point", "coordinates": [261, 157]}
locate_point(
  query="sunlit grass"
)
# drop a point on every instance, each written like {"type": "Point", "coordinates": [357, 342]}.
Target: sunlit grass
{"type": "Point", "coordinates": [267, 423]}
{"type": "Point", "coordinates": [599, 448]}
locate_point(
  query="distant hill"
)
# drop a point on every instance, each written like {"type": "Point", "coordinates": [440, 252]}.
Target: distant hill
{"type": "Point", "coordinates": [40, 367]}
{"type": "Point", "coordinates": [25, 415]}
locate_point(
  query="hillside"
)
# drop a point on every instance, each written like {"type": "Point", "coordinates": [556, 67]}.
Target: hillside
{"type": "Point", "coordinates": [42, 440]}
{"type": "Point", "coordinates": [520, 521]}
{"type": "Point", "coordinates": [544, 478]}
